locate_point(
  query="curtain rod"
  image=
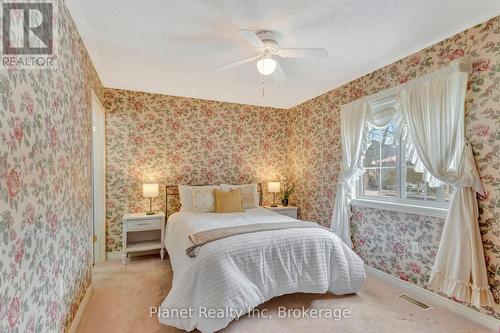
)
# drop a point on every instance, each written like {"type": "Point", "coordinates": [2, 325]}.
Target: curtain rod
{"type": "Point", "coordinates": [462, 65]}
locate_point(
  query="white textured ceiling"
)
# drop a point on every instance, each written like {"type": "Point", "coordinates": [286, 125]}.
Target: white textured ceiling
{"type": "Point", "coordinates": [170, 47]}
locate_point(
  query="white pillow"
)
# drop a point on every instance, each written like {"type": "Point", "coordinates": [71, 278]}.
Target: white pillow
{"type": "Point", "coordinates": [186, 196]}
{"type": "Point", "coordinates": [249, 194]}
{"type": "Point", "coordinates": [203, 200]}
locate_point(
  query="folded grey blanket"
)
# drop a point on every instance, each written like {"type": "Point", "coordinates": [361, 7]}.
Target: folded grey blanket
{"type": "Point", "coordinates": [207, 236]}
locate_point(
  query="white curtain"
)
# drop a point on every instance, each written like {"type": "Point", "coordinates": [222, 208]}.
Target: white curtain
{"type": "Point", "coordinates": [381, 112]}
{"type": "Point", "coordinates": [433, 111]}
{"type": "Point", "coordinates": [352, 125]}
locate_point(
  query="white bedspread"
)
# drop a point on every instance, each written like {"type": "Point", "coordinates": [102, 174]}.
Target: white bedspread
{"type": "Point", "coordinates": [236, 274]}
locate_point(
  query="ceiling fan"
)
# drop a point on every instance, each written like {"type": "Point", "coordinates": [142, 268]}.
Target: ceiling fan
{"type": "Point", "coordinates": [268, 52]}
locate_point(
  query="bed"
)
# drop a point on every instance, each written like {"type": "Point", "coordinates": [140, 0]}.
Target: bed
{"type": "Point", "coordinates": [231, 276]}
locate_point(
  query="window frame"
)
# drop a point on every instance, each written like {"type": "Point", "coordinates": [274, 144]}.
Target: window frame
{"type": "Point", "coordinates": [399, 203]}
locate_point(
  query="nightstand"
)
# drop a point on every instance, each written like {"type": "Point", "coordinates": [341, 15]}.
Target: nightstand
{"type": "Point", "coordinates": [289, 211]}
{"type": "Point", "coordinates": [143, 232]}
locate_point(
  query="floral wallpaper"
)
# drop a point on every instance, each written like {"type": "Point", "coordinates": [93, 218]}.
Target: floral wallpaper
{"type": "Point", "coordinates": [382, 238]}
{"type": "Point", "coordinates": [45, 167]}
{"type": "Point", "coordinates": [45, 188]}
{"type": "Point", "coordinates": [175, 140]}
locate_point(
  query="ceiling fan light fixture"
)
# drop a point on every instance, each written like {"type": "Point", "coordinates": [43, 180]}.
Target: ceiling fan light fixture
{"type": "Point", "coordinates": [266, 66]}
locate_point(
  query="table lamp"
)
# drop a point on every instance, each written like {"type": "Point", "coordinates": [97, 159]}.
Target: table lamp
{"type": "Point", "coordinates": [150, 190]}
{"type": "Point", "coordinates": [274, 187]}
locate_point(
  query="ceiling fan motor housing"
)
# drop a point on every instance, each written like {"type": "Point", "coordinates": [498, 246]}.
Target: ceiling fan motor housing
{"type": "Point", "coordinates": [268, 38]}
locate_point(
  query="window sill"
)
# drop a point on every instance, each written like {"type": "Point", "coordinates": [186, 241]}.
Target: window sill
{"type": "Point", "coordinates": [401, 207]}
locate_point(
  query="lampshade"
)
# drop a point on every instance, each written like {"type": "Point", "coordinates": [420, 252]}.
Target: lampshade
{"type": "Point", "coordinates": [273, 187]}
{"type": "Point", "coordinates": [150, 190]}
{"type": "Point", "coordinates": [266, 66]}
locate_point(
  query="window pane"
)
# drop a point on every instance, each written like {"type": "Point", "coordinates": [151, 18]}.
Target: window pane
{"type": "Point", "coordinates": [432, 192]}
{"type": "Point", "coordinates": [415, 184]}
{"type": "Point", "coordinates": [409, 163]}
{"type": "Point", "coordinates": [372, 154]}
{"type": "Point", "coordinates": [375, 134]}
{"type": "Point", "coordinates": [390, 129]}
{"type": "Point", "coordinates": [371, 182]}
{"type": "Point", "coordinates": [384, 171]}
{"type": "Point", "coordinates": [441, 194]}
{"type": "Point", "coordinates": [389, 182]}
{"type": "Point", "coordinates": [417, 188]}
{"type": "Point", "coordinates": [389, 151]}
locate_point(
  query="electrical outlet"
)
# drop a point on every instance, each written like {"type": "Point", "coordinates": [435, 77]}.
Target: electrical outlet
{"type": "Point", "coordinates": [61, 288]}
{"type": "Point", "coordinates": [415, 247]}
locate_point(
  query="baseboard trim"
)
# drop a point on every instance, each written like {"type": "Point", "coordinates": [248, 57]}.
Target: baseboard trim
{"type": "Point", "coordinates": [81, 310]}
{"type": "Point", "coordinates": [428, 296]}
{"type": "Point", "coordinates": [113, 255]}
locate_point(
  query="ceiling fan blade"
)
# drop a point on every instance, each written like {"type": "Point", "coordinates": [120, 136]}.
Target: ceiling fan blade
{"type": "Point", "coordinates": [303, 53]}
{"type": "Point", "coordinates": [278, 74]}
{"type": "Point", "coordinates": [236, 63]}
{"type": "Point", "coordinates": [252, 38]}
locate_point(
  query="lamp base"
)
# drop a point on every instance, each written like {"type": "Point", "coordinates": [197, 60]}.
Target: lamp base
{"type": "Point", "coordinates": [150, 207]}
{"type": "Point", "coordinates": [274, 200]}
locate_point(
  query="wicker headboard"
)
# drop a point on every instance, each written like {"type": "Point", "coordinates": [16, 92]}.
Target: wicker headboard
{"type": "Point", "coordinates": [172, 192]}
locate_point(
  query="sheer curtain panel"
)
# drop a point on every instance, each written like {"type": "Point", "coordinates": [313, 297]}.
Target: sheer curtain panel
{"type": "Point", "coordinates": [352, 124]}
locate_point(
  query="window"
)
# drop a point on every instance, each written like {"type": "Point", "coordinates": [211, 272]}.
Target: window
{"type": "Point", "coordinates": [391, 177]}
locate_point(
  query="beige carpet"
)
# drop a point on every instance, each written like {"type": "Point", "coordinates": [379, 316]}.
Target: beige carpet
{"type": "Point", "coordinates": [123, 294]}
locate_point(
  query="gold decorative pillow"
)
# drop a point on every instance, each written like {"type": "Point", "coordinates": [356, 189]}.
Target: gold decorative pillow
{"type": "Point", "coordinates": [228, 202]}
{"type": "Point", "coordinates": [249, 194]}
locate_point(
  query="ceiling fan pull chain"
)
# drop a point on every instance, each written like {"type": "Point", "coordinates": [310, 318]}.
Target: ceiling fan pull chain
{"type": "Point", "coordinates": [262, 85]}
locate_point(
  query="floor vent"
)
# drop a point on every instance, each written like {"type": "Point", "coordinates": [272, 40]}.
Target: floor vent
{"type": "Point", "coordinates": [410, 299]}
